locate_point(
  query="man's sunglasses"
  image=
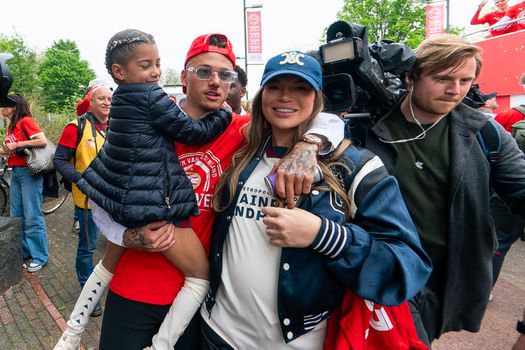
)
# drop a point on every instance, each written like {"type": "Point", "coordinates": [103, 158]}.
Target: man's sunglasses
{"type": "Point", "coordinates": [205, 73]}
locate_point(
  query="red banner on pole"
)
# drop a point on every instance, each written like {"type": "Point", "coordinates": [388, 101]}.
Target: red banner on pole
{"type": "Point", "coordinates": [254, 36]}
{"type": "Point", "coordinates": [435, 23]}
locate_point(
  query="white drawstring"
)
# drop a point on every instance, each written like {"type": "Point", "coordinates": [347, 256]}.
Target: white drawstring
{"type": "Point", "coordinates": [423, 134]}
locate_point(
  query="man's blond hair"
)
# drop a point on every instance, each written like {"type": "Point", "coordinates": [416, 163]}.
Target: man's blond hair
{"type": "Point", "coordinates": [442, 52]}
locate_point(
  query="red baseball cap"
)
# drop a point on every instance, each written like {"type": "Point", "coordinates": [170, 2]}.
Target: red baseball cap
{"type": "Point", "coordinates": [211, 43]}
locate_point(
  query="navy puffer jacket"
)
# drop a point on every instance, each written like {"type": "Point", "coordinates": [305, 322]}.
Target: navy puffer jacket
{"type": "Point", "coordinates": [136, 177]}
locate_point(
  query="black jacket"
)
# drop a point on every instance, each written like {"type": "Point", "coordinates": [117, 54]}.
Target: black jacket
{"type": "Point", "coordinates": [136, 177]}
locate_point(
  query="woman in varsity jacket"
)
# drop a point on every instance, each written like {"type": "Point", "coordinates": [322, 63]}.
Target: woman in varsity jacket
{"type": "Point", "coordinates": [274, 287]}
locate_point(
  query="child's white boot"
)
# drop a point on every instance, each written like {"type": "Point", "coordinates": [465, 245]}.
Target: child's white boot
{"type": "Point", "coordinates": [181, 312]}
{"type": "Point", "coordinates": [86, 302]}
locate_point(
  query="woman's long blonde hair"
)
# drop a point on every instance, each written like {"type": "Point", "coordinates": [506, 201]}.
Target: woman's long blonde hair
{"type": "Point", "coordinates": [255, 134]}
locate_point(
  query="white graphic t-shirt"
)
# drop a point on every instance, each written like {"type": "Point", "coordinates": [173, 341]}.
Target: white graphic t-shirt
{"type": "Point", "coordinates": [245, 313]}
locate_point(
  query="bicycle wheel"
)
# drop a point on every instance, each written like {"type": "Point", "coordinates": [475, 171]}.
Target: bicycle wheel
{"type": "Point", "coordinates": [4, 201]}
{"type": "Point", "coordinates": [50, 204]}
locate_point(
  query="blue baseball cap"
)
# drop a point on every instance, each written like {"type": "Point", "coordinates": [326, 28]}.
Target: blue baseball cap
{"type": "Point", "coordinates": [294, 63]}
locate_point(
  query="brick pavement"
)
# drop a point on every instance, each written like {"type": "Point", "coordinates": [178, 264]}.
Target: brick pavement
{"type": "Point", "coordinates": [26, 322]}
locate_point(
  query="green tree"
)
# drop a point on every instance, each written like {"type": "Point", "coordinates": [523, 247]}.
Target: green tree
{"type": "Point", "coordinates": [23, 66]}
{"type": "Point", "coordinates": [63, 76]}
{"type": "Point", "coordinates": [169, 77]}
{"type": "Point", "coordinates": [397, 20]}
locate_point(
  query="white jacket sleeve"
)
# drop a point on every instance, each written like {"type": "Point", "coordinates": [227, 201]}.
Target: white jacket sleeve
{"type": "Point", "coordinates": [331, 128]}
{"type": "Point", "coordinates": [113, 231]}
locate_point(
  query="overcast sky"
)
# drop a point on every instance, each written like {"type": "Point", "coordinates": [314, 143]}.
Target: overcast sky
{"type": "Point", "coordinates": [286, 24]}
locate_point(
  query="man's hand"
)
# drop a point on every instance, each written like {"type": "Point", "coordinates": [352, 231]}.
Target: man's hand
{"type": "Point", "coordinates": [155, 237]}
{"type": "Point", "coordinates": [294, 173]}
{"type": "Point", "coordinates": [482, 3]}
{"type": "Point", "coordinates": [295, 228]}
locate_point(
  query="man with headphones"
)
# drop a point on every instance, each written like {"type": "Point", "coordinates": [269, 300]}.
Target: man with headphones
{"type": "Point", "coordinates": [430, 143]}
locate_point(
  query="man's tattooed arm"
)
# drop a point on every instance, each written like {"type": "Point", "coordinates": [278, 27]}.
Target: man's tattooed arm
{"type": "Point", "coordinates": [134, 238]}
{"type": "Point", "coordinates": [154, 237]}
{"type": "Point", "coordinates": [295, 172]}
{"type": "Point", "coordinates": [302, 160]}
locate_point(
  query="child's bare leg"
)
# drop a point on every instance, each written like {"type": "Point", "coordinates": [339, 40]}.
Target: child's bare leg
{"type": "Point", "coordinates": [111, 256]}
{"type": "Point", "coordinates": [188, 255]}
{"type": "Point", "coordinates": [90, 295]}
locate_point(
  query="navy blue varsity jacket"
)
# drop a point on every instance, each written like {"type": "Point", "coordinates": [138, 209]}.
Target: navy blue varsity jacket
{"type": "Point", "coordinates": [377, 254]}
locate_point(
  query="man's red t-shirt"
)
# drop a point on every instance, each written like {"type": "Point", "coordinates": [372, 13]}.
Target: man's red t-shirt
{"type": "Point", "coordinates": [517, 11]}
{"type": "Point", "coordinates": [31, 128]}
{"type": "Point", "coordinates": [493, 18]}
{"type": "Point", "coordinates": [150, 277]}
{"type": "Point", "coordinates": [70, 134]}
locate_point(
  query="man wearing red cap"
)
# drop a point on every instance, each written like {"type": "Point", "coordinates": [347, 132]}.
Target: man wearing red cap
{"type": "Point", "coordinates": [145, 283]}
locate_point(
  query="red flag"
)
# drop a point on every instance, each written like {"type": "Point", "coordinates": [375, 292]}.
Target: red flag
{"type": "Point", "coordinates": [362, 325]}
{"type": "Point", "coordinates": [435, 19]}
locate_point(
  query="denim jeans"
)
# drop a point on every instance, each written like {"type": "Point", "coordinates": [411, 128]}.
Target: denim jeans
{"type": "Point", "coordinates": [87, 243]}
{"type": "Point", "coordinates": [26, 203]}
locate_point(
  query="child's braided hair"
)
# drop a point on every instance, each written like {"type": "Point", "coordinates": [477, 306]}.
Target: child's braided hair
{"type": "Point", "coordinates": [121, 45]}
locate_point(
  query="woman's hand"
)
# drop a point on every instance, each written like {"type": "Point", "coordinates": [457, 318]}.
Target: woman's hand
{"type": "Point", "coordinates": [482, 3]}
{"type": "Point", "coordinates": [10, 147]}
{"type": "Point", "coordinates": [294, 228]}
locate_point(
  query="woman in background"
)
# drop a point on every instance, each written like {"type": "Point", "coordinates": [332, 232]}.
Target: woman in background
{"type": "Point", "coordinates": [26, 190]}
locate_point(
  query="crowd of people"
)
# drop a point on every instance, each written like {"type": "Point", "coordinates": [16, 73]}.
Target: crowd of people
{"type": "Point", "coordinates": [297, 222]}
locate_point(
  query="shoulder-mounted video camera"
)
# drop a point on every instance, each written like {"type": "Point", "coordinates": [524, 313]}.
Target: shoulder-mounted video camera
{"type": "Point", "coordinates": [359, 79]}
{"type": "Point", "coordinates": [474, 97]}
{"type": "Point", "coordinates": [6, 80]}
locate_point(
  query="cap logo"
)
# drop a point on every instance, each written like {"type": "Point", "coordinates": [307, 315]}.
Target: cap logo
{"type": "Point", "coordinates": [218, 41]}
{"type": "Point", "coordinates": [292, 58]}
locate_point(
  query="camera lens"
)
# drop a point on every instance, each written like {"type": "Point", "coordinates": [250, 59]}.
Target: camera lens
{"type": "Point", "coordinates": [338, 89]}
{"type": "Point", "coordinates": [336, 92]}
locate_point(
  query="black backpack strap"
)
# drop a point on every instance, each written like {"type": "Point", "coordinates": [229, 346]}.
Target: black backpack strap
{"type": "Point", "coordinates": [94, 123]}
{"type": "Point", "coordinates": [490, 140]}
{"type": "Point", "coordinates": [81, 125]}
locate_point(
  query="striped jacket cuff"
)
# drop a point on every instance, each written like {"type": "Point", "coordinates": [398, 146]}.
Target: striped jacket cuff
{"type": "Point", "coordinates": [331, 239]}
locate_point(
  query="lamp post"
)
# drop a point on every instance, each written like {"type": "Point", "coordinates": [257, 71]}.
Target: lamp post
{"type": "Point", "coordinates": [244, 8]}
{"type": "Point", "coordinates": [447, 29]}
